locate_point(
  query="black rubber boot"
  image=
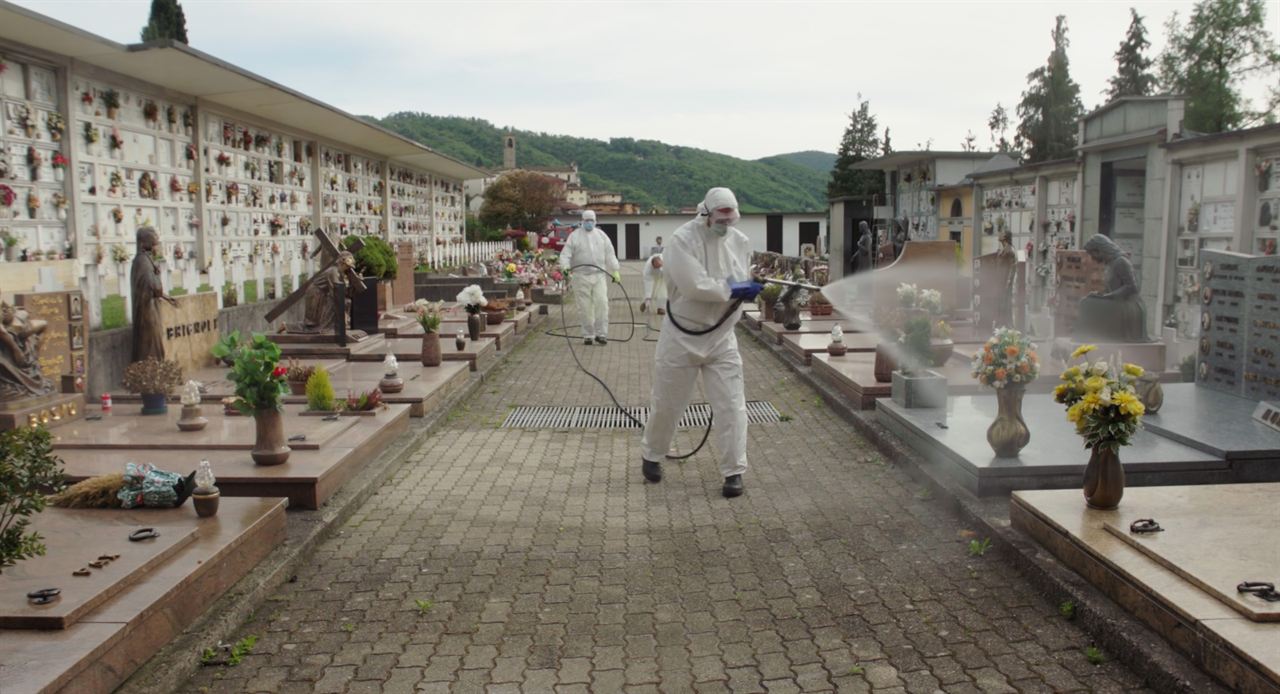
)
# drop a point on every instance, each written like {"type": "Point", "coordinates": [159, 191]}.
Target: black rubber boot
{"type": "Point", "coordinates": [733, 486]}
{"type": "Point", "coordinates": [602, 340]}
{"type": "Point", "coordinates": [652, 471]}
{"type": "Point", "coordinates": [586, 341]}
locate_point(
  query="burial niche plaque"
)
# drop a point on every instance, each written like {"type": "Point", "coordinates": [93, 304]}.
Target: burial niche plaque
{"type": "Point", "coordinates": [1239, 349]}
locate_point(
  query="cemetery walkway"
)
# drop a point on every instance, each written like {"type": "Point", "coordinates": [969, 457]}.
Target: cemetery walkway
{"type": "Point", "coordinates": [510, 560]}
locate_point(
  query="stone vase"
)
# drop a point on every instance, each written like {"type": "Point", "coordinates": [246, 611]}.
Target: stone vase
{"type": "Point", "coordinates": [495, 317]}
{"type": "Point", "coordinates": [206, 504]}
{"type": "Point", "coordinates": [269, 448]}
{"type": "Point", "coordinates": [1104, 479]}
{"type": "Point", "coordinates": [886, 364]}
{"type": "Point", "coordinates": [475, 325]}
{"type": "Point", "coordinates": [837, 349]}
{"type": "Point", "coordinates": [924, 389]}
{"type": "Point", "coordinates": [941, 350]}
{"type": "Point", "coordinates": [297, 387]}
{"type": "Point", "coordinates": [1008, 434]}
{"type": "Point", "coordinates": [431, 349]}
{"type": "Point", "coordinates": [1150, 392]}
{"type": "Point", "coordinates": [820, 309]}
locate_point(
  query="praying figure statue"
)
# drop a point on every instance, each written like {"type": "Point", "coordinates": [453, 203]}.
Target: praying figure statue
{"type": "Point", "coordinates": [148, 292]}
{"type": "Point", "coordinates": [1007, 262]}
{"type": "Point", "coordinates": [862, 254]}
{"type": "Point", "coordinates": [20, 374]}
{"type": "Point", "coordinates": [1117, 314]}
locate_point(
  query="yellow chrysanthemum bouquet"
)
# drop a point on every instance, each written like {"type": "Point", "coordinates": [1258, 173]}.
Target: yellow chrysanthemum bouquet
{"type": "Point", "coordinates": [1101, 400]}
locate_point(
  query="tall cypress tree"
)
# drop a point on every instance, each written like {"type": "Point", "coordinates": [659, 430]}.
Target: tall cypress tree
{"type": "Point", "coordinates": [1223, 43]}
{"type": "Point", "coordinates": [1133, 69]}
{"type": "Point", "coordinates": [860, 142]}
{"type": "Point", "coordinates": [167, 21]}
{"type": "Point", "coordinates": [1051, 105]}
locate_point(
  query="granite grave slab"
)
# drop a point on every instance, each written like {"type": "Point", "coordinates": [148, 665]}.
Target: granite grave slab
{"type": "Point", "coordinates": [1242, 653]}
{"type": "Point", "coordinates": [126, 429]}
{"type": "Point", "coordinates": [954, 439]}
{"type": "Point", "coordinates": [1216, 422]}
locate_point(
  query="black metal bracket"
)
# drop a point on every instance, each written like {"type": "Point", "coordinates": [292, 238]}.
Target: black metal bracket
{"type": "Point", "coordinates": [1262, 589]}
{"type": "Point", "coordinates": [1143, 526]}
{"type": "Point", "coordinates": [143, 534]}
{"type": "Point", "coordinates": [44, 596]}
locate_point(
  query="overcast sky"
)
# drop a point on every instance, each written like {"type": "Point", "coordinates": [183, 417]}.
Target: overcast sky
{"type": "Point", "coordinates": [744, 78]}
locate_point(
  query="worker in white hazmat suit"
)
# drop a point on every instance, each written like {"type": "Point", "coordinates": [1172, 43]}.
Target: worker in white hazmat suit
{"type": "Point", "coordinates": [589, 248]}
{"type": "Point", "coordinates": [655, 286]}
{"type": "Point", "coordinates": [706, 266]}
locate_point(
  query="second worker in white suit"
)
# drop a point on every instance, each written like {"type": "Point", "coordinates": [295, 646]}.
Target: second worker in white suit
{"type": "Point", "coordinates": [589, 249]}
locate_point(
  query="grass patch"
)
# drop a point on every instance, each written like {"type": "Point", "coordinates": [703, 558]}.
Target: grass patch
{"type": "Point", "coordinates": [250, 293]}
{"type": "Point", "coordinates": [206, 287]}
{"type": "Point", "coordinates": [978, 548]}
{"type": "Point", "coordinates": [1067, 609]}
{"type": "Point", "coordinates": [178, 291]}
{"type": "Point", "coordinates": [113, 312]}
{"type": "Point", "coordinates": [1094, 655]}
{"type": "Point", "coordinates": [424, 606]}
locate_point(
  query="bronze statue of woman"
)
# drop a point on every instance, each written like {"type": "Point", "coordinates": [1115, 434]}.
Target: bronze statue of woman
{"type": "Point", "coordinates": [20, 374]}
{"type": "Point", "coordinates": [148, 292]}
{"type": "Point", "coordinates": [1116, 315]}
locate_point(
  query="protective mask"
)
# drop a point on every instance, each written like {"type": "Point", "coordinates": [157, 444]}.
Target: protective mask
{"type": "Point", "coordinates": [588, 225]}
{"type": "Point", "coordinates": [719, 228]}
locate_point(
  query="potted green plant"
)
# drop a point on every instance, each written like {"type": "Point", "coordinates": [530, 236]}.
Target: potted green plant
{"type": "Point", "coordinates": [429, 314]}
{"type": "Point", "coordinates": [10, 245]}
{"type": "Point", "coordinates": [913, 385]}
{"type": "Point", "coordinates": [297, 376]}
{"type": "Point", "coordinates": [260, 387]}
{"type": "Point", "coordinates": [320, 393]}
{"type": "Point", "coordinates": [768, 296]}
{"type": "Point", "coordinates": [28, 471]}
{"type": "Point", "coordinates": [153, 379]}
{"type": "Point", "coordinates": [819, 305]}
{"type": "Point", "coordinates": [376, 263]}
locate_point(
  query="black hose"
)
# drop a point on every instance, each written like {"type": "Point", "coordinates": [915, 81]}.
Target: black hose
{"type": "Point", "coordinates": [564, 324]}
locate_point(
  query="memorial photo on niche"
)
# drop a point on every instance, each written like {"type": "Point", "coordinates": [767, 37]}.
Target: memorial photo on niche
{"type": "Point", "coordinates": [77, 364]}
{"type": "Point", "coordinates": [75, 307]}
{"type": "Point", "coordinates": [77, 336]}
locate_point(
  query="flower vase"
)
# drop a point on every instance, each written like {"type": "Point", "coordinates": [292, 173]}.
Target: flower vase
{"type": "Point", "coordinates": [1008, 434]}
{"type": "Point", "coordinates": [431, 349]}
{"type": "Point", "coordinates": [269, 448]}
{"type": "Point", "coordinates": [766, 310]}
{"type": "Point", "coordinates": [1104, 479]}
{"type": "Point", "coordinates": [885, 364]}
{"type": "Point", "coordinates": [475, 325]}
{"type": "Point", "coordinates": [297, 387]}
{"type": "Point", "coordinates": [59, 175]}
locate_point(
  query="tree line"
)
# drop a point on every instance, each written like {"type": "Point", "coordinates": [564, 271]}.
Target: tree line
{"type": "Point", "coordinates": [1222, 44]}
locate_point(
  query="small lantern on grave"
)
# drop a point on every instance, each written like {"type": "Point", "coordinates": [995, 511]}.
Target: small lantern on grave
{"type": "Point", "coordinates": [191, 419]}
{"type": "Point", "coordinates": [206, 495]}
{"type": "Point", "coordinates": [837, 348]}
{"type": "Point", "coordinates": [460, 340]}
{"type": "Point", "coordinates": [391, 381]}
{"type": "Point", "coordinates": [520, 300]}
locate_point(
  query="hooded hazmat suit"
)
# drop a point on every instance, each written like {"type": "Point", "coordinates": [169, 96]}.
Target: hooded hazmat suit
{"type": "Point", "coordinates": [655, 285]}
{"type": "Point", "coordinates": [590, 246]}
{"type": "Point", "coordinates": [698, 265]}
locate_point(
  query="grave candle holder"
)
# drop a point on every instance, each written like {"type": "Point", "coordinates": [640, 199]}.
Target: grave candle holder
{"type": "Point", "coordinates": [206, 495]}
{"type": "Point", "coordinates": [391, 381]}
{"type": "Point", "coordinates": [191, 419]}
{"type": "Point", "coordinates": [837, 348]}
{"type": "Point", "coordinates": [461, 340]}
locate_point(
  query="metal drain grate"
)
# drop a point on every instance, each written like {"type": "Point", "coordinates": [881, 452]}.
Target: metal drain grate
{"type": "Point", "coordinates": [608, 416]}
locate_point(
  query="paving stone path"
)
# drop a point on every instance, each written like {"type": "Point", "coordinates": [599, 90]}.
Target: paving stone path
{"type": "Point", "coordinates": [503, 560]}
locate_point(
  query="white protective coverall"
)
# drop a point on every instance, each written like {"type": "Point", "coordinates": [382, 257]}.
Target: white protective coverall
{"type": "Point", "coordinates": [698, 265]}
{"type": "Point", "coordinates": [655, 285]}
{"type": "Point", "coordinates": [590, 286]}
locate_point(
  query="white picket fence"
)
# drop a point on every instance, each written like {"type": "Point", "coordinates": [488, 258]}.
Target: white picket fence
{"type": "Point", "coordinates": [99, 281]}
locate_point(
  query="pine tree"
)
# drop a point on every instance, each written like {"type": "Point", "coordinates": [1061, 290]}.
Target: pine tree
{"type": "Point", "coordinates": [998, 124]}
{"type": "Point", "coordinates": [859, 143]}
{"type": "Point", "coordinates": [167, 21]}
{"type": "Point", "coordinates": [1051, 105]}
{"type": "Point", "coordinates": [1133, 69]}
{"type": "Point", "coordinates": [1223, 43]}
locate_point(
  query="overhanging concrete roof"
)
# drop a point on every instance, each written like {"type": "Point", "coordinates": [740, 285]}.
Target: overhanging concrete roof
{"type": "Point", "coordinates": [180, 68]}
{"type": "Point", "coordinates": [896, 159]}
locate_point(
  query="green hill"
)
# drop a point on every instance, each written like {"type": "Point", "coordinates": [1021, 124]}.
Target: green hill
{"type": "Point", "coordinates": [651, 173]}
{"type": "Point", "coordinates": [821, 162]}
